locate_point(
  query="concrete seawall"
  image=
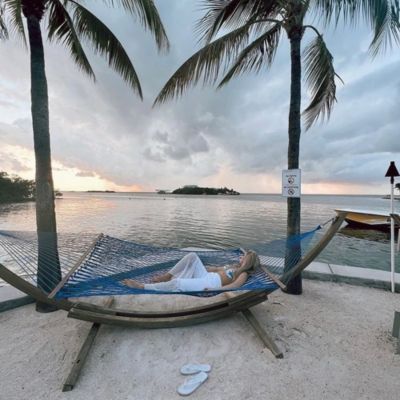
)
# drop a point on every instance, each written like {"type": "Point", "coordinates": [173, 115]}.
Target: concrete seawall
{"type": "Point", "coordinates": [352, 275]}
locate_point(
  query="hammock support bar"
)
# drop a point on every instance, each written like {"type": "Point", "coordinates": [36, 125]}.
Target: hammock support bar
{"type": "Point", "coordinates": [316, 250]}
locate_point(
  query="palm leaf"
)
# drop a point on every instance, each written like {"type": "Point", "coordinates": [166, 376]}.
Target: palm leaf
{"type": "Point", "coordinates": [88, 27]}
{"type": "Point", "coordinates": [61, 29]}
{"type": "Point", "coordinates": [233, 14]}
{"type": "Point", "coordinates": [148, 16]}
{"type": "Point", "coordinates": [3, 27]}
{"type": "Point", "coordinates": [13, 8]}
{"type": "Point", "coordinates": [320, 78]}
{"type": "Point", "coordinates": [349, 10]}
{"type": "Point", "coordinates": [381, 15]}
{"type": "Point", "coordinates": [387, 26]}
{"type": "Point", "coordinates": [260, 52]}
{"type": "Point", "coordinates": [206, 64]}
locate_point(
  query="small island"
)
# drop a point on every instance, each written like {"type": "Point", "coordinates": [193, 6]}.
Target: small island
{"type": "Point", "coordinates": [194, 189]}
{"type": "Point", "coordinates": [100, 191]}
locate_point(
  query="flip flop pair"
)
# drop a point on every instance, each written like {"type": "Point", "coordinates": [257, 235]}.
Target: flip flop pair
{"type": "Point", "coordinates": [190, 369]}
{"type": "Point", "coordinates": [199, 376]}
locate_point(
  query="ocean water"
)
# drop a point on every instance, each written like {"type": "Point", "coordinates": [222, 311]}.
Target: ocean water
{"type": "Point", "coordinates": [211, 221]}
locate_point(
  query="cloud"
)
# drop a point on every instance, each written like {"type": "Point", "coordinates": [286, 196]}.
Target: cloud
{"type": "Point", "coordinates": [10, 163]}
{"type": "Point", "coordinates": [153, 155]}
{"type": "Point", "coordinates": [85, 174]}
{"type": "Point", "coordinates": [237, 134]}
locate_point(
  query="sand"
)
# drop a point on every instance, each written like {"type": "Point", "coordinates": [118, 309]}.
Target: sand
{"type": "Point", "coordinates": [336, 340]}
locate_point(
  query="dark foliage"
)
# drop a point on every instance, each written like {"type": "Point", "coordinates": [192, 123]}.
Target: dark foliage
{"type": "Point", "coordinates": [204, 190]}
{"type": "Point", "coordinates": [14, 188]}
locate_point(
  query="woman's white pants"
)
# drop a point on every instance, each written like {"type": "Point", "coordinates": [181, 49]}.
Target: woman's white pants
{"type": "Point", "coordinates": [189, 275]}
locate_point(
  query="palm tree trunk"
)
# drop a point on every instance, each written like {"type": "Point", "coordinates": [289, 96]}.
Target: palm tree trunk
{"type": "Point", "coordinates": [294, 204]}
{"type": "Point", "coordinates": [49, 272]}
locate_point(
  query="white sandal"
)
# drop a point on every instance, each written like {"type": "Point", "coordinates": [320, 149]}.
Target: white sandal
{"type": "Point", "coordinates": [190, 369]}
{"type": "Point", "coordinates": [192, 383]}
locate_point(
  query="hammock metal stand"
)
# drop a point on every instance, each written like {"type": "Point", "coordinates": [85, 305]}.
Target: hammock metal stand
{"type": "Point", "coordinates": [229, 305]}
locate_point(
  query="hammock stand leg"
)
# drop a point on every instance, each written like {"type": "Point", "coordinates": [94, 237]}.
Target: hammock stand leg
{"type": "Point", "coordinates": [262, 334]}
{"type": "Point", "coordinates": [76, 369]}
{"type": "Point", "coordinates": [260, 331]}
{"type": "Point", "coordinates": [396, 330]}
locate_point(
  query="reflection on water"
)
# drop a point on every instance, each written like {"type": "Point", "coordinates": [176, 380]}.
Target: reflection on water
{"type": "Point", "coordinates": [209, 221]}
{"type": "Point", "coordinates": [367, 234]}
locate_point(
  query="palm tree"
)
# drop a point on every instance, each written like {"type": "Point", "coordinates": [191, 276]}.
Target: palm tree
{"type": "Point", "coordinates": [68, 22]}
{"type": "Point", "coordinates": [255, 28]}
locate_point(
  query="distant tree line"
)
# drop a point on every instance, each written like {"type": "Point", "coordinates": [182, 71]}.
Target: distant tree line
{"type": "Point", "coordinates": [204, 190]}
{"type": "Point", "coordinates": [13, 188]}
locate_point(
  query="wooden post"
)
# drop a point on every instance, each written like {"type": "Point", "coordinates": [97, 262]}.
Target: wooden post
{"type": "Point", "coordinates": [396, 330]}
{"type": "Point", "coordinates": [396, 325]}
{"type": "Point", "coordinates": [83, 353]}
{"type": "Point", "coordinates": [263, 335]}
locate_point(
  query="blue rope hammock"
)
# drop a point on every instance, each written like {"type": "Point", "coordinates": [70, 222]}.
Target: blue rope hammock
{"type": "Point", "coordinates": [111, 260]}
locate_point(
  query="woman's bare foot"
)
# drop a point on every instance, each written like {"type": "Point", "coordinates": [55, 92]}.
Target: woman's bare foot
{"type": "Point", "coordinates": [162, 278]}
{"type": "Point", "coordinates": [132, 283]}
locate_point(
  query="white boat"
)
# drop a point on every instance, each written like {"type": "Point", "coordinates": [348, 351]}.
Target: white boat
{"type": "Point", "coordinates": [367, 219]}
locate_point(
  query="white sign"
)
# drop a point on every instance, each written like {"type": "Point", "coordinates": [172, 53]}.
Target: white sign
{"type": "Point", "coordinates": [291, 183]}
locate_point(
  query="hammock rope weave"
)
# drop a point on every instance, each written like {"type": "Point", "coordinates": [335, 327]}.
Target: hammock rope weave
{"type": "Point", "coordinates": [100, 271]}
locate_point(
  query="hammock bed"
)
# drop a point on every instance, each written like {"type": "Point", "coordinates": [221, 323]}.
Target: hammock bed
{"type": "Point", "coordinates": [106, 261]}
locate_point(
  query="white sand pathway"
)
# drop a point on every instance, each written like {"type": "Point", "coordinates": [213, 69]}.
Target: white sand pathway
{"type": "Point", "coordinates": [336, 340]}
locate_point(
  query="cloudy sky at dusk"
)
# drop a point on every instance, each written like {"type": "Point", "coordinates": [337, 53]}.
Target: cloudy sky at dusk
{"type": "Point", "coordinates": [104, 137]}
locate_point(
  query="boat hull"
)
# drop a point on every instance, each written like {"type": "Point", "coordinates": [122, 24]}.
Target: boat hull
{"type": "Point", "coordinates": [366, 220]}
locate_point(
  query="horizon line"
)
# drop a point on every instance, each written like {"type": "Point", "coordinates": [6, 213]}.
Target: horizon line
{"type": "Point", "coordinates": [262, 193]}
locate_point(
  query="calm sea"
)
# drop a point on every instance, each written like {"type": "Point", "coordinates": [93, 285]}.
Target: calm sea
{"type": "Point", "coordinates": [210, 221]}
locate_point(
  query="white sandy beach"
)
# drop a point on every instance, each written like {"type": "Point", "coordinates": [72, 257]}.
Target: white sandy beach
{"type": "Point", "coordinates": [336, 340]}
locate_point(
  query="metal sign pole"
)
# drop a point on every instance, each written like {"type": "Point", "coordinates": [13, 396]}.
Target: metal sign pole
{"type": "Point", "coordinates": [391, 173]}
{"type": "Point", "coordinates": [392, 263]}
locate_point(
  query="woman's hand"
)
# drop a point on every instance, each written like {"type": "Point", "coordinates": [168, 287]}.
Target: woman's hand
{"type": "Point", "coordinates": [239, 281]}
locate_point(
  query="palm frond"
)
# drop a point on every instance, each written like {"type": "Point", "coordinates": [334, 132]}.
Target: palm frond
{"type": "Point", "coordinates": [259, 53]}
{"type": "Point", "coordinates": [3, 27]}
{"type": "Point", "coordinates": [61, 29]}
{"type": "Point", "coordinates": [206, 63]}
{"type": "Point", "coordinates": [88, 27]}
{"type": "Point", "coordinates": [381, 15]}
{"type": "Point", "coordinates": [232, 14]}
{"type": "Point", "coordinates": [320, 78]}
{"type": "Point", "coordinates": [348, 10]}
{"type": "Point", "coordinates": [387, 26]}
{"type": "Point", "coordinates": [220, 12]}
{"type": "Point", "coordinates": [148, 15]}
{"type": "Point", "coordinates": [13, 8]}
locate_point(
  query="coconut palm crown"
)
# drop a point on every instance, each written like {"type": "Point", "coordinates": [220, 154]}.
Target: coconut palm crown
{"type": "Point", "coordinates": [72, 24]}
{"type": "Point", "coordinates": [241, 36]}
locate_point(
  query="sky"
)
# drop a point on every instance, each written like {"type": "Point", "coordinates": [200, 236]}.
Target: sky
{"type": "Point", "coordinates": [104, 138]}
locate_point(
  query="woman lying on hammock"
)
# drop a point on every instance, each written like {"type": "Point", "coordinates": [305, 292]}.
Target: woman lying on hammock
{"type": "Point", "coordinates": [190, 275]}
